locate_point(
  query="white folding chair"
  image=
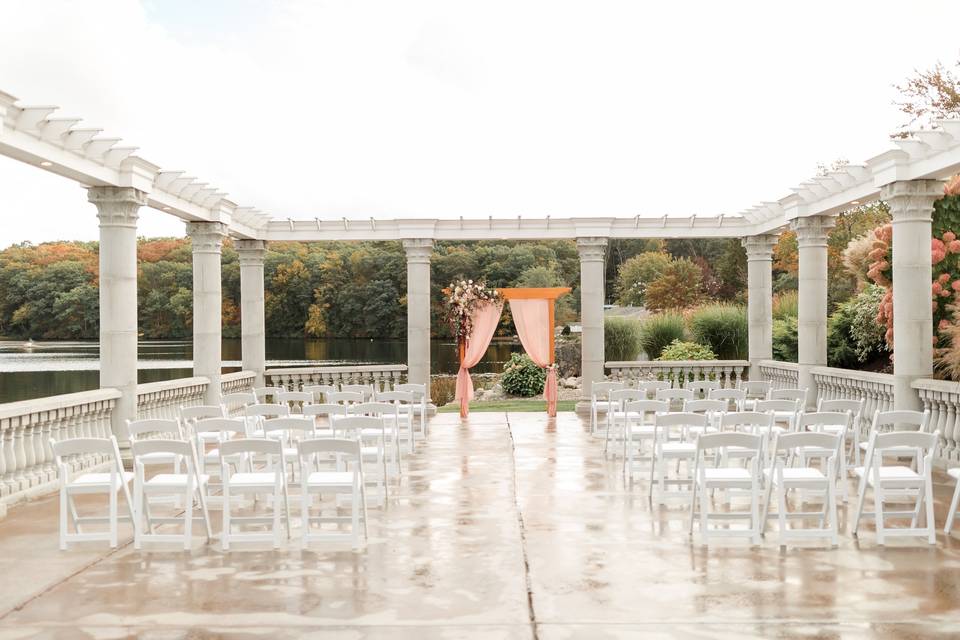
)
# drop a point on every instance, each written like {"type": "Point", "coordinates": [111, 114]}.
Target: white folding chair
{"type": "Point", "coordinates": [735, 398]}
{"type": "Point", "coordinates": [787, 450]}
{"type": "Point", "coordinates": [345, 397]}
{"type": "Point", "coordinates": [390, 417]}
{"type": "Point", "coordinates": [187, 485]}
{"type": "Point", "coordinates": [855, 407]}
{"type": "Point", "coordinates": [268, 394]}
{"type": "Point", "coordinates": [952, 513]}
{"type": "Point", "coordinates": [798, 395]}
{"type": "Point", "coordinates": [209, 434]}
{"type": "Point", "coordinates": [600, 401]}
{"type": "Point", "coordinates": [404, 401]}
{"type": "Point", "coordinates": [713, 409]}
{"type": "Point", "coordinates": [650, 387]}
{"type": "Point", "coordinates": [835, 423]}
{"type": "Point", "coordinates": [785, 412]}
{"type": "Point", "coordinates": [674, 440]}
{"type": "Point", "coordinates": [616, 419]}
{"type": "Point", "coordinates": [346, 479]}
{"type": "Point", "coordinates": [255, 414]}
{"type": "Point", "coordinates": [295, 400]}
{"type": "Point", "coordinates": [234, 403]}
{"type": "Point", "coordinates": [676, 397]}
{"type": "Point", "coordinates": [320, 392]}
{"type": "Point", "coordinates": [189, 416]}
{"type": "Point", "coordinates": [419, 392]}
{"type": "Point", "coordinates": [369, 432]}
{"type": "Point", "coordinates": [111, 482]}
{"type": "Point", "coordinates": [365, 389]}
{"type": "Point", "coordinates": [289, 431]}
{"type": "Point", "coordinates": [902, 420]}
{"type": "Point", "coordinates": [897, 483]}
{"type": "Point", "coordinates": [639, 429]}
{"type": "Point", "coordinates": [743, 478]}
{"type": "Point", "coordinates": [701, 388]}
{"type": "Point", "coordinates": [157, 428]}
{"type": "Point", "coordinates": [325, 416]}
{"type": "Point", "coordinates": [753, 391]}
{"type": "Point", "coordinates": [752, 422]}
{"type": "Point", "coordinates": [270, 482]}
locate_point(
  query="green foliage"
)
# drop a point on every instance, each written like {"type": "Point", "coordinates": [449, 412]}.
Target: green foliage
{"type": "Point", "coordinates": [854, 336]}
{"type": "Point", "coordinates": [724, 328]}
{"type": "Point", "coordinates": [637, 273]}
{"type": "Point", "coordinates": [786, 305]}
{"type": "Point", "coordinates": [678, 350]}
{"type": "Point", "coordinates": [785, 347]}
{"type": "Point", "coordinates": [442, 389]}
{"type": "Point", "coordinates": [621, 338]}
{"type": "Point", "coordinates": [658, 331]}
{"type": "Point", "coordinates": [677, 288]}
{"type": "Point", "coordinates": [522, 377]}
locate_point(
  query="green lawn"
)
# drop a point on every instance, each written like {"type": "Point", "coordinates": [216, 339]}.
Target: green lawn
{"type": "Point", "coordinates": [510, 405]}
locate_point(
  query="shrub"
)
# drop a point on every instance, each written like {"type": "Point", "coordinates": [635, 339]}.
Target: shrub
{"type": "Point", "coordinates": [785, 348]}
{"type": "Point", "coordinates": [724, 328]}
{"type": "Point", "coordinates": [677, 288]}
{"type": "Point", "coordinates": [635, 274]}
{"type": "Point", "coordinates": [678, 350]}
{"type": "Point", "coordinates": [840, 350]}
{"type": "Point", "coordinates": [786, 304]}
{"type": "Point", "coordinates": [621, 339]}
{"type": "Point", "coordinates": [854, 335]}
{"type": "Point", "coordinates": [522, 377]}
{"type": "Point", "coordinates": [656, 332]}
{"type": "Point", "coordinates": [442, 389]}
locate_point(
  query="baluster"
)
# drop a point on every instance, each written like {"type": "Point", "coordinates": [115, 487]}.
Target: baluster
{"type": "Point", "coordinates": [4, 430]}
{"type": "Point", "coordinates": [951, 425]}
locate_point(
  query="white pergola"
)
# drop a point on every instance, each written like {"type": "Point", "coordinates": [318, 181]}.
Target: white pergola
{"type": "Point", "coordinates": [119, 182]}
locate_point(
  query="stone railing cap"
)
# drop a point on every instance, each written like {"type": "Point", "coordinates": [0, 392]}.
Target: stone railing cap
{"type": "Point", "coordinates": [853, 374]}
{"type": "Point", "coordinates": [166, 385]}
{"type": "Point", "coordinates": [370, 368]}
{"type": "Point", "coordinates": [53, 403]}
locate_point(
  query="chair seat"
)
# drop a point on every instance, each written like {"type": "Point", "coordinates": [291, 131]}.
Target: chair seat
{"type": "Point", "coordinates": [954, 473]}
{"type": "Point", "coordinates": [675, 448]}
{"type": "Point", "coordinates": [793, 473]}
{"type": "Point", "coordinates": [641, 430]}
{"type": "Point", "coordinates": [726, 474]}
{"type": "Point", "coordinates": [91, 480]}
{"type": "Point", "coordinates": [330, 479]}
{"type": "Point", "coordinates": [173, 480]}
{"type": "Point", "coordinates": [158, 457]}
{"type": "Point", "coordinates": [253, 479]}
{"type": "Point", "coordinates": [893, 451]}
{"type": "Point", "coordinates": [891, 473]}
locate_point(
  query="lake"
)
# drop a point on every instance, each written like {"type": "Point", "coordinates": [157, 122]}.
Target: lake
{"type": "Point", "coordinates": [53, 368]}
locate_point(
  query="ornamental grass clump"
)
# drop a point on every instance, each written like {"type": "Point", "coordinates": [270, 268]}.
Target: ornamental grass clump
{"type": "Point", "coordinates": [656, 332]}
{"type": "Point", "coordinates": [723, 327]}
{"type": "Point", "coordinates": [679, 350]}
{"type": "Point", "coordinates": [621, 339]}
{"type": "Point", "coordinates": [522, 377]}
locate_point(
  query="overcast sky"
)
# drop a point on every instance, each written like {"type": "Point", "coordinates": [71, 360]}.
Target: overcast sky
{"type": "Point", "coordinates": [446, 108]}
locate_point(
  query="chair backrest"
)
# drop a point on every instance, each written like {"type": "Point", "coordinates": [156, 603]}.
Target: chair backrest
{"type": "Point", "coordinates": [400, 397]}
{"type": "Point", "coordinates": [348, 397]}
{"type": "Point", "coordinates": [701, 388]}
{"type": "Point", "coordinates": [418, 390]}
{"type": "Point", "coordinates": [295, 399]}
{"type": "Point", "coordinates": [259, 446]}
{"type": "Point", "coordinates": [650, 387]}
{"type": "Point", "coordinates": [904, 420]}
{"type": "Point", "coordinates": [200, 412]}
{"type": "Point", "coordinates": [327, 409]}
{"type": "Point", "coordinates": [746, 441]}
{"type": "Point", "coordinates": [174, 447]}
{"type": "Point", "coordinates": [675, 426]}
{"type": "Point", "coordinates": [625, 395]}
{"type": "Point", "coordinates": [265, 393]}
{"type": "Point", "coordinates": [797, 443]}
{"type": "Point", "coordinates": [320, 391]}
{"type": "Point", "coordinates": [816, 420]}
{"type": "Point", "coordinates": [76, 446]}
{"type": "Point", "coordinates": [673, 394]}
{"type": "Point", "coordinates": [365, 389]}
{"type": "Point", "coordinates": [799, 395]}
{"type": "Point", "coordinates": [778, 405]}
{"type": "Point", "coordinates": [841, 404]}
{"type": "Point", "coordinates": [238, 400]}
{"type": "Point", "coordinates": [314, 446]}
{"type": "Point", "coordinates": [647, 406]}
{"type": "Point", "coordinates": [267, 410]}
{"type": "Point", "coordinates": [603, 388]}
{"type": "Point", "coordinates": [756, 388]}
{"type": "Point", "coordinates": [705, 406]}
{"type": "Point", "coordinates": [736, 397]}
{"type": "Point", "coordinates": [160, 426]}
{"type": "Point", "coordinates": [356, 424]}
{"type": "Point", "coordinates": [299, 424]}
{"type": "Point", "coordinates": [372, 409]}
{"type": "Point", "coordinates": [926, 442]}
{"type": "Point", "coordinates": [746, 421]}
{"type": "Point", "coordinates": [224, 426]}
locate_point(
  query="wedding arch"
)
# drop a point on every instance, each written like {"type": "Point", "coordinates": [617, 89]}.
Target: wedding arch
{"type": "Point", "coordinates": [533, 311]}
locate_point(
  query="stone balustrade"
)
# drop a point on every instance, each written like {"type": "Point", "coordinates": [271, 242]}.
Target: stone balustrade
{"type": "Point", "coordinates": [728, 372]}
{"type": "Point", "coordinates": [164, 399]}
{"type": "Point", "coordinates": [942, 398]}
{"type": "Point", "coordinates": [783, 375]}
{"type": "Point", "coordinates": [379, 375]}
{"type": "Point", "coordinates": [237, 382]}
{"type": "Point", "coordinates": [875, 388]}
{"type": "Point", "coordinates": [27, 466]}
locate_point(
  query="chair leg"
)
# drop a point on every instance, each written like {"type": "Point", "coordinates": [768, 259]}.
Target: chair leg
{"type": "Point", "coordinates": [931, 524]}
{"type": "Point", "coordinates": [952, 514]}
{"type": "Point", "coordinates": [878, 511]}
{"type": "Point", "coordinates": [276, 516]}
{"type": "Point", "coordinates": [188, 518]}
{"type": "Point", "coordinates": [653, 475]}
{"type": "Point", "coordinates": [138, 501]}
{"type": "Point", "coordinates": [861, 498]}
{"type": "Point", "coordinates": [201, 497]}
{"type": "Point", "coordinates": [225, 534]}
{"type": "Point", "coordinates": [693, 505]}
{"type": "Point", "coordinates": [704, 520]}
{"type": "Point", "coordinates": [355, 517]}
{"type": "Point", "coordinates": [766, 506]}
{"type": "Point", "coordinates": [286, 508]}
{"type": "Point", "coordinates": [63, 518]}
{"type": "Point", "coordinates": [304, 511]}
{"type": "Point", "coordinates": [113, 518]}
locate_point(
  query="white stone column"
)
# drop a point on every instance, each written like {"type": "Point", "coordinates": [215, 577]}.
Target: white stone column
{"type": "Point", "coordinates": [207, 239]}
{"type": "Point", "coordinates": [418, 252]}
{"type": "Point", "coordinates": [593, 253]}
{"type": "Point", "coordinates": [812, 312]}
{"type": "Point", "coordinates": [911, 206]}
{"type": "Point", "coordinates": [252, 327]}
{"type": "Point", "coordinates": [118, 209]}
{"type": "Point", "coordinates": [759, 299]}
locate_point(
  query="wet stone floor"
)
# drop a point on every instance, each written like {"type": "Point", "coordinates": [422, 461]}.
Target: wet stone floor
{"type": "Point", "coordinates": [509, 526]}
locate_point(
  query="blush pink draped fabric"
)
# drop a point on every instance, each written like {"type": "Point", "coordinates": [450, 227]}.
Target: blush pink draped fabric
{"type": "Point", "coordinates": [532, 319]}
{"type": "Point", "coordinates": [485, 318]}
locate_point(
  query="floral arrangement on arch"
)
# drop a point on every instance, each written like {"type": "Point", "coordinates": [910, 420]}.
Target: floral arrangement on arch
{"type": "Point", "coordinates": [463, 296]}
{"type": "Point", "coordinates": [944, 258]}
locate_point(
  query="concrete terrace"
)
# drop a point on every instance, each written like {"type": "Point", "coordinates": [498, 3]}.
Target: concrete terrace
{"type": "Point", "coordinates": [509, 526]}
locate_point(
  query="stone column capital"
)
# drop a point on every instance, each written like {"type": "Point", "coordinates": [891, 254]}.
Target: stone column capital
{"type": "Point", "coordinates": [812, 230]}
{"type": "Point", "coordinates": [912, 200]}
{"type": "Point", "coordinates": [207, 237]}
{"type": "Point", "coordinates": [418, 250]}
{"type": "Point", "coordinates": [759, 247]}
{"type": "Point", "coordinates": [117, 206]}
{"type": "Point", "coordinates": [250, 252]}
{"type": "Point", "coordinates": [592, 249]}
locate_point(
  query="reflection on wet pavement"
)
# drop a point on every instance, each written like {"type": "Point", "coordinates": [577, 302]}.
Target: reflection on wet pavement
{"type": "Point", "coordinates": [511, 526]}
